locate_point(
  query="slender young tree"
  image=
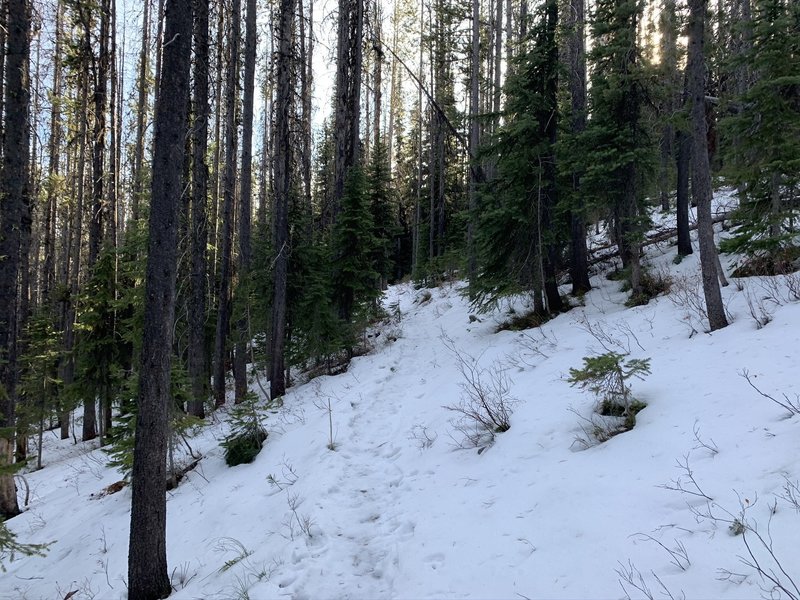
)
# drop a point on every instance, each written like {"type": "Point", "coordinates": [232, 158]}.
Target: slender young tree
{"type": "Point", "coordinates": [229, 192]}
{"type": "Point", "coordinates": [701, 171]}
{"type": "Point", "coordinates": [283, 158]}
{"type": "Point", "coordinates": [141, 114]}
{"type": "Point", "coordinates": [474, 135]}
{"type": "Point", "coordinates": [148, 577]}
{"type": "Point", "coordinates": [245, 200]}
{"type": "Point", "coordinates": [198, 371]}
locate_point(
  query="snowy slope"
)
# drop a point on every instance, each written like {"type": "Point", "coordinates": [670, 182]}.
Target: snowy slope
{"type": "Point", "coordinates": [398, 511]}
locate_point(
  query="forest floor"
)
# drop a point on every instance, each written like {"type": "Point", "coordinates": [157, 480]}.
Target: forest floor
{"type": "Point", "coordinates": [691, 501]}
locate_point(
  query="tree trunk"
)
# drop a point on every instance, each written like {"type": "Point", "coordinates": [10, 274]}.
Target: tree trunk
{"type": "Point", "coordinates": [217, 160]}
{"type": "Point", "coordinates": [549, 126]}
{"type": "Point", "coordinates": [245, 200]}
{"type": "Point", "coordinates": [99, 97]}
{"type": "Point", "coordinates": [148, 577]}
{"type": "Point", "coordinates": [72, 262]}
{"type": "Point", "coordinates": [283, 166]}
{"type": "Point", "coordinates": [15, 181]}
{"type": "Point", "coordinates": [3, 39]}
{"type": "Point", "coordinates": [393, 87]}
{"type": "Point", "coordinates": [306, 84]}
{"type": "Point", "coordinates": [683, 162]}
{"type": "Point", "coordinates": [349, 59]}
{"type": "Point", "coordinates": [377, 75]}
{"type": "Point", "coordinates": [576, 57]}
{"type": "Point", "coordinates": [265, 182]}
{"type": "Point", "coordinates": [669, 61]}
{"type": "Point", "coordinates": [54, 150]}
{"type": "Point", "coordinates": [197, 363]}
{"type": "Point", "coordinates": [141, 114]}
{"type": "Point", "coordinates": [701, 172]}
{"type": "Point", "coordinates": [229, 191]}
{"type": "Point", "coordinates": [474, 137]}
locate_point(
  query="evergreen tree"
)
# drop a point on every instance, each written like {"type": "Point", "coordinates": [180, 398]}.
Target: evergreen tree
{"type": "Point", "coordinates": [317, 334]}
{"type": "Point", "coordinates": [97, 349]}
{"type": "Point", "coordinates": [354, 244]}
{"type": "Point", "coordinates": [39, 388]}
{"type": "Point", "coordinates": [618, 151]}
{"type": "Point", "coordinates": [381, 205]}
{"type": "Point", "coordinates": [516, 207]}
{"type": "Point", "coordinates": [766, 168]}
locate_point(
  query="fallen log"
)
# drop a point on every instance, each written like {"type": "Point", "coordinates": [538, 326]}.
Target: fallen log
{"type": "Point", "coordinates": [653, 238]}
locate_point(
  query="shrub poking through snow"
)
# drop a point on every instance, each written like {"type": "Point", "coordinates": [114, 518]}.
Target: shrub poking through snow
{"type": "Point", "coordinates": [486, 403]}
{"type": "Point", "coordinates": [606, 376]}
{"type": "Point", "coordinates": [243, 443]}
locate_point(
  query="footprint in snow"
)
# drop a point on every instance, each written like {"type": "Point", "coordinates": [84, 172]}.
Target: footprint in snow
{"type": "Point", "coordinates": [434, 561]}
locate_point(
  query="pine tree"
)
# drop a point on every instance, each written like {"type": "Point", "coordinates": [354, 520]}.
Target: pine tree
{"type": "Point", "coordinates": [97, 349]}
{"type": "Point", "coordinates": [766, 167]}
{"type": "Point", "coordinates": [516, 250]}
{"type": "Point", "coordinates": [618, 151]}
{"type": "Point", "coordinates": [317, 333]}
{"type": "Point", "coordinates": [379, 197]}
{"type": "Point", "coordinates": [354, 245]}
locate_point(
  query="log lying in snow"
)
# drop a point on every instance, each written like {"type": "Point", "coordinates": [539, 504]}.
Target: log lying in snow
{"type": "Point", "coordinates": [611, 250]}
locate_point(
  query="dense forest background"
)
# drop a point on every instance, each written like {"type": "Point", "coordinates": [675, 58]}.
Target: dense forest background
{"type": "Point", "coordinates": [209, 203]}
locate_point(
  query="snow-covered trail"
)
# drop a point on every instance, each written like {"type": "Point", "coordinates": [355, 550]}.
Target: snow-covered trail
{"type": "Point", "coordinates": [396, 510]}
{"type": "Point", "coordinates": [364, 514]}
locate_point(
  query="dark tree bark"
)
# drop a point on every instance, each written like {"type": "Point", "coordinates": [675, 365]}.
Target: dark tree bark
{"type": "Point", "coordinates": [198, 371]}
{"type": "Point", "coordinates": [683, 141]}
{"type": "Point", "coordinates": [576, 57]}
{"type": "Point", "coordinates": [701, 172]}
{"type": "Point", "coordinates": [668, 28]}
{"type": "Point", "coordinates": [74, 235]}
{"type": "Point", "coordinates": [159, 48]}
{"type": "Point", "coordinates": [110, 208]}
{"type": "Point", "coordinates": [228, 193]}
{"type": "Point", "coordinates": [280, 219]}
{"type": "Point", "coordinates": [349, 59]}
{"type": "Point", "coordinates": [377, 74]}
{"type": "Point", "coordinates": [14, 218]}
{"type": "Point", "coordinates": [306, 82]}
{"type": "Point", "coordinates": [474, 135]}
{"type": "Point", "coordinates": [3, 39]}
{"type": "Point", "coordinates": [54, 165]}
{"type": "Point", "coordinates": [99, 70]}
{"type": "Point", "coordinates": [245, 200]}
{"type": "Point", "coordinates": [147, 555]}
{"type": "Point", "coordinates": [216, 179]}
{"type": "Point", "coordinates": [265, 180]}
{"type": "Point", "coordinates": [549, 124]}
{"type": "Point", "coordinates": [141, 114]}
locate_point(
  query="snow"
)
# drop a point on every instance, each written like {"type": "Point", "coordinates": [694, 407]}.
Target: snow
{"type": "Point", "coordinates": [398, 510]}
